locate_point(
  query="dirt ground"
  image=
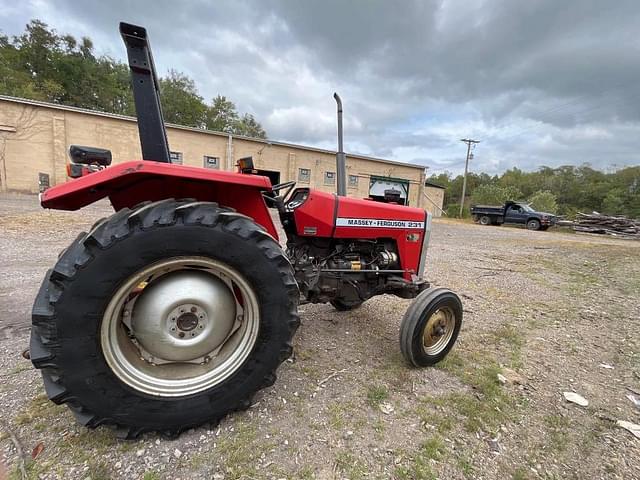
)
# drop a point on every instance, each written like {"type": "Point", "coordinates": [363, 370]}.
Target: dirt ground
{"type": "Point", "coordinates": [550, 312]}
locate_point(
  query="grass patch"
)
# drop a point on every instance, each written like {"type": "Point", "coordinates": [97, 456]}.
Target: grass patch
{"type": "Point", "coordinates": [39, 409]}
{"type": "Point", "coordinates": [514, 340]}
{"type": "Point", "coordinates": [376, 394]}
{"type": "Point", "coordinates": [465, 466]}
{"type": "Point", "coordinates": [350, 465]}
{"type": "Point", "coordinates": [521, 473]}
{"type": "Point", "coordinates": [433, 448]}
{"type": "Point", "coordinates": [557, 427]}
{"type": "Point", "coordinates": [488, 406]}
{"type": "Point", "coordinates": [239, 451]}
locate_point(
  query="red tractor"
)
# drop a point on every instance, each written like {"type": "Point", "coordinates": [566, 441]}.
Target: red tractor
{"type": "Point", "coordinates": [179, 307]}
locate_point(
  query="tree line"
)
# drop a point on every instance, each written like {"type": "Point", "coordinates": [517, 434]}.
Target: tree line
{"type": "Point", "coordinates": [41, 64]}
{"type": "Point", "coordinates": [563, 190]}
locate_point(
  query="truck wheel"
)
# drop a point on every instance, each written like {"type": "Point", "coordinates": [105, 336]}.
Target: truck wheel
{"type": "Point", "coordinates": [485, 220]}
{"type": "Point", "coordinates": [533, 224]}
{"type": "Point", "coordinates": [430, 326]}
{"type": "Point", "coordinates": [344, 305]}
{"type": "Point", "coordinates": [164, 317]}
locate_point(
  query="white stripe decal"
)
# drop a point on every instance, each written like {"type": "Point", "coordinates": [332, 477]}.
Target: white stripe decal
{"type": "Point", "coordinates": [378, 223]}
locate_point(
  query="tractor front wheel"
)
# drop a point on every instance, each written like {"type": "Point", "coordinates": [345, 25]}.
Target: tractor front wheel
{"type": "Point", "coordinates": [430, 326]}
{"type": "Point", "coordinates": [164, 317]}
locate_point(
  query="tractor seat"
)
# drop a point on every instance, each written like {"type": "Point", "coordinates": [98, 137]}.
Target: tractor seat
{"type": "Point", "coordinates": [90, 155]}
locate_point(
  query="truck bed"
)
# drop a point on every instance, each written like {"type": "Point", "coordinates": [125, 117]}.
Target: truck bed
{"type": "Point", "coordinates": [487, 210]}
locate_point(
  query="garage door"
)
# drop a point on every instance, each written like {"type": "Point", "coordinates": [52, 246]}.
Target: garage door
{"type": "Point", "coordinates": [379, 185]}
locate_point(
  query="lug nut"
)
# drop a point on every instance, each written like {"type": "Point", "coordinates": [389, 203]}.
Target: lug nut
{"type": "Point", "coordinates": [181, 334]}
{"type": "Point", "coordinates": [194, 309]}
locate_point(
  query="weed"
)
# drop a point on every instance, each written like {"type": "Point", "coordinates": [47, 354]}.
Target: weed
{"type": "Point", "coordinates": [350, 465]}
{"type": "Point", "coordinates": [558, 431]}
{"type": "Point", "coordinates": [433, 448]}
{"type": "Point", "coordinates": [40, 408]}
{"type": "Point", "coordinates": [465, 465]}
{"type": "Point", "coordinates": [489, 407]}
{"type": "Point", "coordinates": [521, 473]}
{"type": "Point", "coordinates": [376, 394]}
{"type": "Point", "coordinates": [417, 469]}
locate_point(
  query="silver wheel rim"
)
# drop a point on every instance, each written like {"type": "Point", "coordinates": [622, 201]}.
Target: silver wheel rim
{"type": "Point", "coordinates": [180, 326]}
{"type": "Point", "coordinates": [438, 330]}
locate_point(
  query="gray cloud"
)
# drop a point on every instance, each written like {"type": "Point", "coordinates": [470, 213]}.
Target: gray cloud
{"type": "Point", "coordinates": [540, 83]}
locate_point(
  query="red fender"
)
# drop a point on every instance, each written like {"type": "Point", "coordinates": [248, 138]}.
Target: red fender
{"type": "Point", "coordinates": [130, 183]}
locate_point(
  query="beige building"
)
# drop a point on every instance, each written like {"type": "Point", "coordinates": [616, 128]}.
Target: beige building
{"type": "Point", "coordinates": [35, 138]}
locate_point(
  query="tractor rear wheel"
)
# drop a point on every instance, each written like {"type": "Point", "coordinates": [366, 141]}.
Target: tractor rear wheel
{"type": "Point", "coordinates": [164, 317]}
{"type": "Point", "coordinates": [430, 326]}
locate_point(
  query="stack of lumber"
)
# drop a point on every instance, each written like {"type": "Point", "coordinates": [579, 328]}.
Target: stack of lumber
{"type": "Point", "coordinates": [604, 224]}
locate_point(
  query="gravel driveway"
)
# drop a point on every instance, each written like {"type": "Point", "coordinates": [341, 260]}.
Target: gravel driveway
{"type": "Point", "coordinates": [545, 313]}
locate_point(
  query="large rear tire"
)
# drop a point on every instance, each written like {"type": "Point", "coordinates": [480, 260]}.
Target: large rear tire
{"type": "Point", "coordinates": [164, 317]}
{"type": "Point", "coordinates": [430, 326]}
{"type": "Point", "coordinates": [485, 220]}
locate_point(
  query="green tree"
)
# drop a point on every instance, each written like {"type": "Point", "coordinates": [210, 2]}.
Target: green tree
{"type": "Point", "coordinates": [181, 103]}
{"type": "Point", "coordinates": [544, 201]}
{"type": "Point", "coordinates": [614, 202]}
{"type": "Point", "coordinates": [249, 127]}
{"type": "Point", "coordinates": [43, 65]}
{"type": "Point", "coordinates": [490, 194]}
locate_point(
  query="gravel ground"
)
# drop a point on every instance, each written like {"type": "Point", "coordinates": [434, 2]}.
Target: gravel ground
{"type": "Point", "coordinates": [550, 312]}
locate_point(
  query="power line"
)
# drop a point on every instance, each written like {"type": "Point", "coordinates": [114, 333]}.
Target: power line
{"type": "Point", "coordinates": [469, 142]}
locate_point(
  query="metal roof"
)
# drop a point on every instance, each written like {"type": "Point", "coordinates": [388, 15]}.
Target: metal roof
{"type": "Point", "coordinates": [431, 184]}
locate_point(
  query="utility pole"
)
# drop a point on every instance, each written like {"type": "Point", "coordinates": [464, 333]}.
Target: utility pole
{"type": "Point", "coordinates": [466, 168]}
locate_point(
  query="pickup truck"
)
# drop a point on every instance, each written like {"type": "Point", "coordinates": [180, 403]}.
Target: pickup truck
{"type": "Point", "coordinates": [512, 213]}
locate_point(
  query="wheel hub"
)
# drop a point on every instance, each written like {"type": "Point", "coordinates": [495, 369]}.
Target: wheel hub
{"type": "Point", "coordinates": [180, 326]}
{"type": "Point", "coordinates": [187, 322]}
{"type": "Point", "coordinates": [183, 316]}
{"type": "Point", "coordinates": [438, 331]}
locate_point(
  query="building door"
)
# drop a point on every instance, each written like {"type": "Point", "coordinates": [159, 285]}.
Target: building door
{"type": "Point", "coordinates": [272, 174]}
{"type": "Point", "coordinates": [396, 188]}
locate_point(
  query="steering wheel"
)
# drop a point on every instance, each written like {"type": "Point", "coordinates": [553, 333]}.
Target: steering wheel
{"type": "Point", "coordinates": [286, 185]}
{"type": "Point", "coordinates": [279, 200]}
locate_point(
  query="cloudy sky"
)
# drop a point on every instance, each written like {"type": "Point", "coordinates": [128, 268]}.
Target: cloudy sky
{"type": "Point", "coordinates": [539, 82]}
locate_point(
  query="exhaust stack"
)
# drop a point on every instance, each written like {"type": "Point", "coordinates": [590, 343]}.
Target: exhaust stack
{"type": "Point", "coordinates": [341, 165]}
{"type": "Point", "coordinates": [146, 94]}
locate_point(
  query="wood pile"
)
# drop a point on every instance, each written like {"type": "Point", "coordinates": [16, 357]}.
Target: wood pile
{"type": "Point", "coordinates": [605, 224]}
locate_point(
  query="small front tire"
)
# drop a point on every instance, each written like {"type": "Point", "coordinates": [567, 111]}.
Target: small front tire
{"type": "Point", "coordinates": [533, 224]}
{"type": "Point", "coordinates": [430, 327]}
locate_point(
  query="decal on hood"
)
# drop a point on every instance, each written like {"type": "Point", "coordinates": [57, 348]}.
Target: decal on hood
{"type": "Point", "coordinates": [378, 223]}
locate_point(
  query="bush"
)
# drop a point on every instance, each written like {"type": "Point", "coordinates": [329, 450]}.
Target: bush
{"type": "Point", "coordinates": [453, 211]}
{"type": "Point", "coordinates": [544, 201]}
{"type": "Point", "coordinates": [490, 194]}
